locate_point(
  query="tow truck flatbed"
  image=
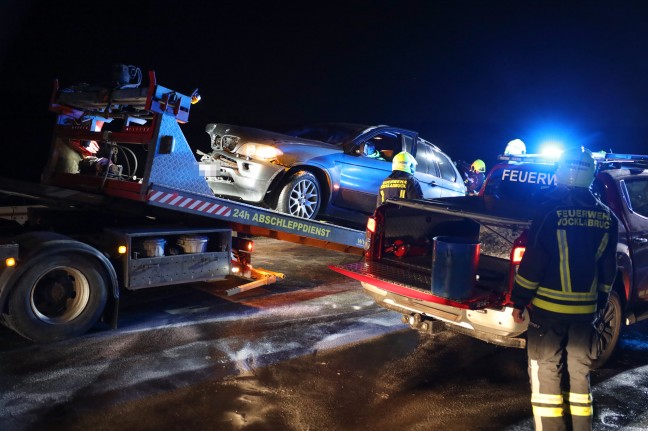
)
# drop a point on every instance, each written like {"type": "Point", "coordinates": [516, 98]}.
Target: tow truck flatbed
{"type": "Point", "coordinates": [122, 204]}
{"type": "Point", "coordinates": [170, 177]}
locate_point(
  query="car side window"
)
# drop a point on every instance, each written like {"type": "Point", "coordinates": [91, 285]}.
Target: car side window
{"type": "Point", "coordinates": [448, 172]}
{"type": "Point", "coordinates": [638, 194]}
{"type": "Point", "coordinates": [426, 160]}
{"type": "Point", "coordinates": [387, 144]}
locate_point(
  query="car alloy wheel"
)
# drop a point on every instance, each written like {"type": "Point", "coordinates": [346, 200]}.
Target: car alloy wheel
{"type": "Point", "coordinates": [300, 196]}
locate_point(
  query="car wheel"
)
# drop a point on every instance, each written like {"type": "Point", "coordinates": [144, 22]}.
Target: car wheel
{"type": "Point", "coordinates": [300, 196]}
{"type": "Point", "coordinates": [60, 298]}
{"type": "Point", "coordinates": [609, 330]}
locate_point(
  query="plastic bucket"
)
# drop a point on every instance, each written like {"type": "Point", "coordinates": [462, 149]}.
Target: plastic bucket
{"type": "Point", "coordinates": [154, 247]}
{"type": "Point", "coordinates": [193, 244]}
{"type": "Point", "coordinates": [454, 267]}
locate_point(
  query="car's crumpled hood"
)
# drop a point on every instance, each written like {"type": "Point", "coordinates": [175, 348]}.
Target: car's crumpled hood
{"type": "Point", "coordinates": [294, 149]}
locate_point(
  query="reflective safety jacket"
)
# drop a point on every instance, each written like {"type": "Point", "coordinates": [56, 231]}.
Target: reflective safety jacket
{"type": "Point", "coordinates": [569, 263]}
{"type": "Point", "coordinates": [399, 185]}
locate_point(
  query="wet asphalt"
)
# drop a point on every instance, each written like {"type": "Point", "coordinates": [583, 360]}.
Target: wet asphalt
{"type": "Point", "coordinates": [310, 352]}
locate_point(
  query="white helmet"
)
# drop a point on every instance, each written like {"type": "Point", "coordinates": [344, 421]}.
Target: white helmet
{"type": "Point", "coordinates": [576, 168]}
{"type": "Point", "coordinates": [515, 148]}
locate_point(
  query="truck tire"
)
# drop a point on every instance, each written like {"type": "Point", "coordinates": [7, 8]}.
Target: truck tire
{"type": "Point", "coordinates": [301, 196]}
{"type": "Point", "coordinates": [57, 298]}
{"type": "Point", "coordinates": [610, 330]}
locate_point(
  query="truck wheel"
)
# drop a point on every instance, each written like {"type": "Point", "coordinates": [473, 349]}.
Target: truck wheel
{"type": "Point", "coordinates": [300, 196]}
{"type": "Point", "coordinates": [61, 297]}
{"type": "Point", "coordinates": [611, 329]}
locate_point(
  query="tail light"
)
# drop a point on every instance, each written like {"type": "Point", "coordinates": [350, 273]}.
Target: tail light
{"type": "Point", "coordinates": [516, 254]}
{"type": "Point", "coordinates": [519, 246]}
{"type": "Point", "coordinates": [371, 225]}
{"type": "Point", "coordinates": [370, 238]}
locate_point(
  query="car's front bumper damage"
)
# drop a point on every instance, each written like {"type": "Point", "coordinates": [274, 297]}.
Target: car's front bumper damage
{"type": "Point", "coordinates": [239, 177]}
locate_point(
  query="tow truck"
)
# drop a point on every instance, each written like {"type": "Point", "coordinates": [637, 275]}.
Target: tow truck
{"type": "Point", "coordinates": [122, 204]}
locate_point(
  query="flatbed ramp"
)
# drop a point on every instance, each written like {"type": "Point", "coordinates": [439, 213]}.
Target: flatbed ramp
{"type": "Point", "coordinates": [258, 221]}
{"type": "Point", "coordinates": [240, 217]}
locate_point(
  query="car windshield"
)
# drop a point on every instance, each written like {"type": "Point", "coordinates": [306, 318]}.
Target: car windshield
{"type": "Point", "coordinates": [523, 183]}
{"type": "Point", "coordinates": [336, 134]}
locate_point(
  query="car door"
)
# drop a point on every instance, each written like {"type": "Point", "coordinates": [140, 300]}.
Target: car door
{"type": "Point", "coordinates": [450, 181]}
{"type": "Point", "coordinates": [427, 171]}
{"type": "Point", "coordinates": [360, 175]}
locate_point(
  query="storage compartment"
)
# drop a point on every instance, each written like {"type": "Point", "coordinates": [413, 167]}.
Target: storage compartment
{"type": "Point", "coordinates": [454, 267]}
{"type": "Point", "coordinates": [170, 255]}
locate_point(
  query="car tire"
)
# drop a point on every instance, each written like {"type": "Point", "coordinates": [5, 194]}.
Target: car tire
{"type": "Point", "coordinates": [301, 196]}
{"type": "Point", "coordinates": [610, 330]}
{"type": "Point", "coordinates": [59, 298]}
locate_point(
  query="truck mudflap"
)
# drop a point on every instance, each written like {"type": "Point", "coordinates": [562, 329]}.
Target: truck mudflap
{"type": "Point", "coordinates": [408, 292]}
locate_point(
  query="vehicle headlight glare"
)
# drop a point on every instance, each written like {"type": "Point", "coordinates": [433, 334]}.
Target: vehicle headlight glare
{"type": "Point", "coordinates": [259, 151]}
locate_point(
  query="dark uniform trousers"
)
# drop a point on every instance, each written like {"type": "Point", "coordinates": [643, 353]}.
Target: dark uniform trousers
{"type": "Point", "coordinates": [548, 342]}
{"type": "Point", "coordinates": [566, 274]}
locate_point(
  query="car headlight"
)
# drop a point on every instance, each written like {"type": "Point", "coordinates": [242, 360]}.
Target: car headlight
{"type": "Point", "coordinates": [259, 151]}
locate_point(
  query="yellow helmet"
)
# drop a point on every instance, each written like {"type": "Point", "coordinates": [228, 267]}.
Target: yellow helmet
{"type": "Point", "coordinates": [478, 166]}
{"type": "Point", "coordinates": [405, 162]}
{"type": "Point", "coordinates": [576, 168]}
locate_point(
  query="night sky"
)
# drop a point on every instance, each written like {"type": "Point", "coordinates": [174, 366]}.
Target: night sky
{"type": "Point", "coordinates": [468, 75]}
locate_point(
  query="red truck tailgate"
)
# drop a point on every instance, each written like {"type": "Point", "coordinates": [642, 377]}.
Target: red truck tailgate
{"type": "Point", "coordinates": [406, 282]}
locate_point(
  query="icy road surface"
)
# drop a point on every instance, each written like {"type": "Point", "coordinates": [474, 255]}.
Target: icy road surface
{"type": "Point", "coordinates": [310, 352]}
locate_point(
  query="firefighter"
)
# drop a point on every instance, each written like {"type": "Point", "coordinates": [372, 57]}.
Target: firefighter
{"type": "Point", "coordinates": [474, 177]}
{"type": "Point", "coordinates": [515, 147]}
{"type": "Point", "coordinates": [564, 279]}
{"type": "Point", "coordinates": [401, 182]}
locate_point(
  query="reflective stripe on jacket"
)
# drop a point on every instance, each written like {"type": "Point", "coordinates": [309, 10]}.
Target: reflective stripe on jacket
{"type": "Point", "coordinates": [399, 185]}
{"type": "Point", "coordinates": [570, 258]}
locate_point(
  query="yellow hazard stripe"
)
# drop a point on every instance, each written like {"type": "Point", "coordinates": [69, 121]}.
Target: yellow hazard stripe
{"type": "Point", "coordinates": [602, 246]}
{"type": "Point", "coordinates": [580, 398]}
{"type": "Point", "coordinates": [537, 398]}
{"type": "Point", "coordinates": [548, 412]}
{"type": "Point", "coordinates": [594, 281]}
{"type": "Point", "coordinates": [570, 296]}
{"type": "Point", "coordinates": [527, 284]}
{"type": "Point", "coordinates": [562, 308]}
{"type": "Point", "coordinates": [580, 410]}
{"type": "Point", "coordinates": [563, 251]}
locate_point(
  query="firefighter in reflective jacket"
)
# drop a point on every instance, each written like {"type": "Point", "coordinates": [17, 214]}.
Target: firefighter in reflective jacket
{"type": "Point", "coordinates": [474, 175]}
{"type": "Point", "coordinates": [401, 182]}
{"type": "Point", "coordinates": [566, 274]}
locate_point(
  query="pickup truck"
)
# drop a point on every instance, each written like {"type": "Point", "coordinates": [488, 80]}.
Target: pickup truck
{"type": "Point", "coordinates": [449, 263]}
